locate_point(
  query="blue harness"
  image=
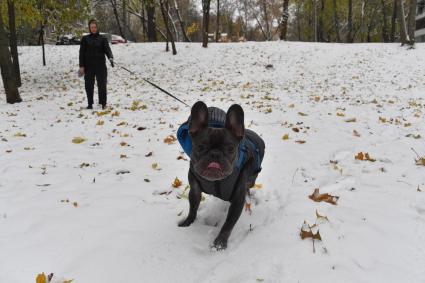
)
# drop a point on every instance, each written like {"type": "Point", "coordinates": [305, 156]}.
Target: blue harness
{"type": "Point", "coordinates": [245, 146]}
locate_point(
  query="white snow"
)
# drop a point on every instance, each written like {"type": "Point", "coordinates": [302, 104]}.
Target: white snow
{"type": "Point", "coordinates": [123, 229]}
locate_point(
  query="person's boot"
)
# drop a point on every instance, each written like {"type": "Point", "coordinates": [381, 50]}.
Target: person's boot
{"type": "Point", "coordinates": [103, 106]}
{"type": "Point", "coordinates": [90, 107]}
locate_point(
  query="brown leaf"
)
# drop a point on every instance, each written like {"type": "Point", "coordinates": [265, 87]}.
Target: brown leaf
{"type": "Point", "coordinates": [420, 161]}
{"type": "Point", "coordinates": [306, 232]}
{"type": "Point", "coordinates": [170, 139]}
{"type": "Point", "coordinates": [181, 157]}
{"type": "Point", "coordinates": [285, 137]}
{"type": "Point", "coordinates": [318, 197]}
{"type": "Point", "coordinates": [355, 133]}
{"type": "Point", "coordinates": [149, 154]}
{"type": "Point", "coordinates": [351, 120]}
{"type": "Point", "coordinates": [300, 141]}
{"type": "Point", "coordinates": [364, 157]}
{"type": "Point", "coordinates": [177, 183]}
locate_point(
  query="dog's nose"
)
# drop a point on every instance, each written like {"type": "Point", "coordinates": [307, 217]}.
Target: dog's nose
{"type": "Point", "coordinates": [215, 154]}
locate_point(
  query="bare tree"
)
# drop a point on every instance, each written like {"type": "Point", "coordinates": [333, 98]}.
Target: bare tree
{"type": "Point", "coordinates": [412, 21]}
{"type": "Point", "coordinates": [6, 66]}
{"type": "Point", "coordinates": [182, 25]}
{"type": "Point", "coordinates": [336, 22]}
{"type": "Point", "coordinates": [350, 38]}
{"type": "Point", "coordinates": [393, 21]}
{"type": "Point", "coordinates": [385, 35]}
{"type": "Point", "coordinates": [284, 21]}
{"type": "Point", "coordinates": [205, 21]}
{"type": "Point", "coordinates": [164, 4]}
{"type": "Point", "coordinates": [403, 29]}
{"type": "Point", "coordinates": [217, 25]}
{"type": "Point", "coordinates": [13, 41]}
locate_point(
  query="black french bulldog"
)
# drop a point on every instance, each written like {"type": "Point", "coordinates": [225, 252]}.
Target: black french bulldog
{"type": "Point", "coordinates": [215, 166]}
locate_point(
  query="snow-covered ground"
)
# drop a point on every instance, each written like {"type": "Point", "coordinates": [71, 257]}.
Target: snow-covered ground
{"type": "Point", "coordinates": [65, 210]}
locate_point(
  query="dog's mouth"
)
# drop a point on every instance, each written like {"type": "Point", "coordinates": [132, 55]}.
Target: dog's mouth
{"type": "Point", "coordinates": [213, 171]}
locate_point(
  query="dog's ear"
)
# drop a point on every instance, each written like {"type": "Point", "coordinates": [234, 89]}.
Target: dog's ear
{"type": "Point", "coordinates": [198, 117]}
{"type": "Point", "coordinates": [235, 121]}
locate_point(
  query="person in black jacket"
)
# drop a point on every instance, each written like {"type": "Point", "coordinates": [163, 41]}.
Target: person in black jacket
{"type": "Point", "coordinates": [93, 49]}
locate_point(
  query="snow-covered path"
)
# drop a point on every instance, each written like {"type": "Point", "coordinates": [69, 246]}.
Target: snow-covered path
{"type": "Point", "coordinates": [65, 208]}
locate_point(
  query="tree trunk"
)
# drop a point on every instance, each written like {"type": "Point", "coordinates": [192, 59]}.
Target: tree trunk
{"type": "Point", "coordinates": [336, 22]}
{"type": "Point", "coordinates": [350, 38]}
{"type": "Point", "coordinates": [117, 18]}
{"type": "Point", "coordinates": [41, 41]}
{"type": "Point", "coordinates": [393, 21]}
{"type": "Point", "coordinates": [124, 18]}
{"type": "Point", "coordinates": [150, 9]}
{"type": "Point", "coordinates": [320, 27]}
{"type": "Point", "coordinates": [412, 21]}
{"type": "Point", "coordinates": [205, 21]}
{"type": "Point", "coordinates": [284, 23]}
{"type": "Point", "coordinates": [266, 19]}
{"type": "Point", "coordinates": [298, 21]}
{"type": "Point", "coordinates": [403, 29]}
{"type": "Point", "coordinates": [6, 66]}
{"type": "Point", "coordinates": [13, 42]}
{"type": "Point", "coordinates": [385, 35]}
{"type": "Point", "coordinates": [217, 25]}
{"type": "Point", "coordinates": [182, 25]}
{"type": "Point", "coordinates": [142, 18]}
{"type": "Point", "coordinates": [165, 16]}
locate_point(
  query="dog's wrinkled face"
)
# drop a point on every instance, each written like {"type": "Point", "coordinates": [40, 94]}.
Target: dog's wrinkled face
{"type": "Point", "coordinates": [215, 150]}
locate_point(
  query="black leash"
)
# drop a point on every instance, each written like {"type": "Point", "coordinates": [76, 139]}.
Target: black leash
{"type": "Point", "coordinates": [152, 84]}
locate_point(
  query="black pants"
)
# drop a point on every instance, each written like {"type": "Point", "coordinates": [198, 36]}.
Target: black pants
{"type": "Point", "coordinates": [101, 74]}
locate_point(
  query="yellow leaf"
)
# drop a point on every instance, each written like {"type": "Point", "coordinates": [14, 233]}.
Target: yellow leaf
{"type": "Point", "coordinates": [41, 278]}
{"type": "Point", "coordinates": [78, 140]}
{"type": "Point", "coordinates": [285, 137]}
{"type": "Point", "coordinates": [258, 186]}
{"type": "Point", "coordinates": [100, 123]}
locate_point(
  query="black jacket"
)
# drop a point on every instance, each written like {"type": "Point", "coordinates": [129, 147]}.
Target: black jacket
{"type": "Point", "coordinates": [93, 49]}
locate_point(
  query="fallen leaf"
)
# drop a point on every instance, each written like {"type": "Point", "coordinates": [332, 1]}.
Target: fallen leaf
{"type": "Point", "coordinates": [122, 156]}
{"type": "Point", "coordinates": [19, 134]}
{"type": "Point", "coordinates": [302, 114]}
{"type": "Point", "coordinates": [340, 114]}
{"type": "Point", "coordinates": [155, 166]}
{"type": "Point", "coordinates": [75, 204]}
{"type": "Point", "coordinates": [141, 128]}
{"type": "Point", "coordinates": [364, 157]}
{"type": "Point", "coordinates": [418, 189]}
{"type": "Point", "coordinates": [41, 278]}
{"type": "Point", "coordinates": [382, 119]}
{"type": "Point", "coordinates": [355, 133]}
{"type": "Point", "coordinates": [318, 197]}
{"type": "Point", "coordinates": [321, 217]}
{"type": "Point", "coordinates": [177, 183]}
{"type": "Point", "coordinates": [300, 141]}
{"type": "Point", "coordinates": [351, 120]}
{"type": "Point", "coordinates": [123, 144]}
{"type": "Point", "coordinates": [181, 157]}
{"type": "Point", "coordinates": [296, 130]}
{"type": "Point", "coordinates": [420, 161]}
{"type": "Point", "coordinates": [285, 137]}
{"type": "Point", "coordinates": [258, 186]}
{"type": "Point", "coordinates": [149, 154]}
{"type": "Point", "coordinates": [121, 124]}
{"type": "Point", "coordinates": [170, 139]}
{"type": "Point", "coordinates": [306, 232]}
{"type": "Point", "coordinates": [78, 140]}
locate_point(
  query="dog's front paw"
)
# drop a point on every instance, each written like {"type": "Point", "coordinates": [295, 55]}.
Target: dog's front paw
{"type": "Point", "coordinates": [220, 243]}
{"type": "Point", "coordinates": [186, 222]}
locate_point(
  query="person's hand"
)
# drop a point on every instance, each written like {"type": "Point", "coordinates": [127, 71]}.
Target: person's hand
{"type": "Point", "coordinates": [112, 62]}
{"type": "Point", "coordinates": [81, 71]}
